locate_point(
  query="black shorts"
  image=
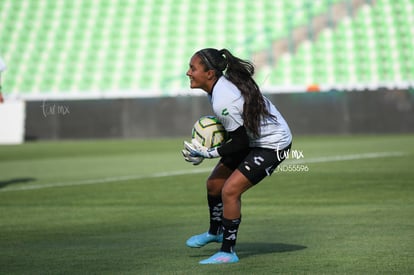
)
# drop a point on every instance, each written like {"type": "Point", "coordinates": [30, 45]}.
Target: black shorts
{"type": "Point", "coordinates": [256, 163]}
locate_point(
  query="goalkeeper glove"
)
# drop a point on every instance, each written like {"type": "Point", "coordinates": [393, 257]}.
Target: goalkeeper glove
{"type": "Point", "coordinates": [193, 160]}
{"type": "Point", "coordinates": [198, 150]}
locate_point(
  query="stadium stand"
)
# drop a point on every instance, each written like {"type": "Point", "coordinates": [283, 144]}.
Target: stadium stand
{"type": "Point", "coordinates": [103, 48]}
{"type": "Point", "coordinates": [372, 49]}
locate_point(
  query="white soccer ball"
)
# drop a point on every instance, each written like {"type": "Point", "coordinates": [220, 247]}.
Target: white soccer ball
{"type": "Point", "coordinates": [209, 131]}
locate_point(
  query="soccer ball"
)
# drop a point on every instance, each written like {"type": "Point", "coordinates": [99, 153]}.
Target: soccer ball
{"type": "Point", "coordinates": [209, 132]}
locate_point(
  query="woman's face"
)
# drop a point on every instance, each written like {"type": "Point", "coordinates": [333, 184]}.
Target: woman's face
{"type": "Point", "coordinates": [199, 77]}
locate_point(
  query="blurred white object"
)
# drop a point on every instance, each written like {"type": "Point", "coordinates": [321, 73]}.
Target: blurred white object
{"type": "Point", "coordinates": [12, 122]}
{"type": "Point", "coordinates": [2, 65]}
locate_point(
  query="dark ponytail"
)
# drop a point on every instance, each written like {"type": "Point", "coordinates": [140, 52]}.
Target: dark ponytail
{"type": "Point", "coordinates": [240, 73]}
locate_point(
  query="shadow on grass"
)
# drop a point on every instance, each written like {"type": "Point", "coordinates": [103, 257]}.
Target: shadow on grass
{"type": "Point", "coordinates": [4, 183]}
{"type": "Point", "coordinates": [250, 249]}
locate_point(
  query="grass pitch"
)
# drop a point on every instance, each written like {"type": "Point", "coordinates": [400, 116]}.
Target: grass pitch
{"type": "Point", "coordinates": [339, 205]}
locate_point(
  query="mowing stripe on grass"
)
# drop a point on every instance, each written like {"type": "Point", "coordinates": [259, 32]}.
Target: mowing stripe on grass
{"type": "Point", "coordinates": [350, 157]}
{"type": "Point", "coordinates": [199, 170]}
{"type": "Point", "coordinates": [108, 179]}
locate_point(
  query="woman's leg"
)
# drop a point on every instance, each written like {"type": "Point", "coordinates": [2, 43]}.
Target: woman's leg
{"type": "Point", "coordinates": [215, 184]}
{"type": "Point", "coordinates": [232, 190]}
{"type": "Point", "coordinates": [217, 179]}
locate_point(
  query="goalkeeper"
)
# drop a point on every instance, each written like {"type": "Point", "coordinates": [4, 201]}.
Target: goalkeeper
{"type": "Point", "coordinates": [259, 141]}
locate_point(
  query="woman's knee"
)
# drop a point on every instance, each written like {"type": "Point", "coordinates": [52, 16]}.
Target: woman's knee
{"type": "Point", "coordinates": [217, 179]}
{"type": "Point", "coordinates": [214, 186]}
{"type": "Point", "coordinates": [230, 191]}
{"type": "Point", "coordinates": [235, 186]}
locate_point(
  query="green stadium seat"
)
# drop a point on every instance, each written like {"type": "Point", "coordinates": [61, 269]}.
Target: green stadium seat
{"type": "Point", "coordinates": [283, 71]}
{"type": "Point", "coordinates": [145, 47]}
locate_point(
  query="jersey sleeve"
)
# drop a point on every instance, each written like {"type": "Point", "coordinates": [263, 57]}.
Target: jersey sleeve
{"type": "Point", "coordinates": [238, 141]}
{"type": "Point", "coordinates": [229, 116]}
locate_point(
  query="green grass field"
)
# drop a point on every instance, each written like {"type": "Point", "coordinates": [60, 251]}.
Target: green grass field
{"type": "Point", "coordinates": [127, 207]}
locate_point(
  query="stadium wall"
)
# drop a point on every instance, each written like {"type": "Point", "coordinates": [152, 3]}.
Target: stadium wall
{"type": "Point", "coordinates": [363, 112]}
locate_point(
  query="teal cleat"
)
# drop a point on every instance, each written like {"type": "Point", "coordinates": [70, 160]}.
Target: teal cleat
{"type": "Point", "coordinates": [221, 258]}
{"type": "Point", "coordinates": [203, 239]}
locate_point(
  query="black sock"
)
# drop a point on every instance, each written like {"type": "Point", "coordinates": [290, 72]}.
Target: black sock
{"type": "Point", "coordinates": [215, 206]}
{"type": "Point", "coordinates": [230, 229]}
